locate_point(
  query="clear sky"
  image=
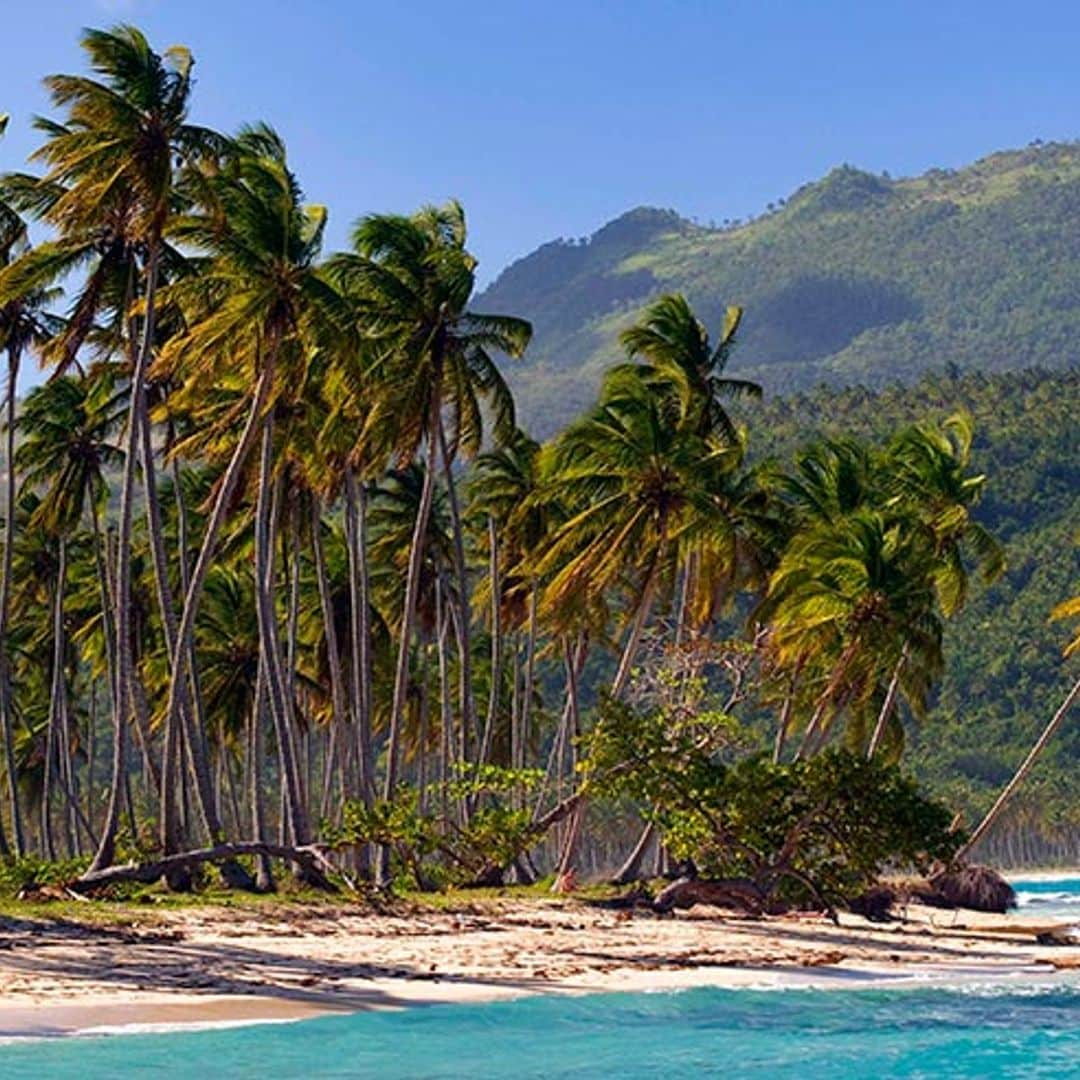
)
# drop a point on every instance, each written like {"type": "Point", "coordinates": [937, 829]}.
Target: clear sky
{"type": "Point", "coordinates": [550, 117]}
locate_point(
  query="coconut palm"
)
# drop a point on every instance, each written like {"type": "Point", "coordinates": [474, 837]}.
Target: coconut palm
{"type": "Point", "coordinates": [253, 313]}
{"type": "Point", "coordinates": [433, 370]}
{"type": "Point", "coordinates": [845, 597]}
{"type": "Point", "coordinates": [24, 324]}
{"type": "Point", "coordinates": [680, 363]}
{"type": "Point", "coordinates": [67, 426]}
{"type": "Point", "coordinates": [114, 159]}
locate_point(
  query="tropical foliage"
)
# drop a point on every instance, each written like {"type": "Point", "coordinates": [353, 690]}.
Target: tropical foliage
{"type": "Point", "coordinates": [283, 579]}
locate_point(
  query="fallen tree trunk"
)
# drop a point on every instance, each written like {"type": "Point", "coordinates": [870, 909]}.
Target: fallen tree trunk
{"type": "Point", "coordinates": [741, 893]}
{"type": "Point", "coordinates": [310, 857]}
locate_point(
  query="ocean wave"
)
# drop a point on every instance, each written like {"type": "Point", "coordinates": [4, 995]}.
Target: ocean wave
{"type": "Point", "coordinates": [1026, 899]}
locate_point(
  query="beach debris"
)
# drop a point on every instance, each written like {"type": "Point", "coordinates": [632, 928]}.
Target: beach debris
{"type": "Point", "coordinates": [977, 888]}
{"type": "Point", "coordinates": [739, 893]}
{"type": "Point", "coordinates": [1061, 935]}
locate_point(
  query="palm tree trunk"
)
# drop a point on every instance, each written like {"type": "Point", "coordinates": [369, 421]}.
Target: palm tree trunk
{"type": "Point", "coordinates": [338, 702]}
{"type": "Point", "coordinates": [783, 724]}
{"type": "Point", "coordinates": [631, 869]}
{"type": "Point", "coordinates": [56, 698]}
{"type": "Point", "coordinates": [264, 877]}
{"type": "Point", "coordinates": [632, 866]}
{"type": "Point", "coordinates": [637, 627]}
{"type": "Point", "coordinates": [530, 674]}
{"type": "Point", "coordinates": [270, 653]}
{"type": "Point", "coordinates": [185, 634]}
{"type": "Point", "coordinates": [812, 735]}
{"type": "Point", "coordinates": [566, 857]}
{"type": "Point", "coordinates": [446, 718]}
{"type": "Point", "coordinates": [7, 714]}
{"type": "Point", "coordinates": [1021, 773]}
{"type": "Point", "coordinates": [125, 661]}
{"type": "Point", "coordinates": [496, 645]}
{"type": "Point", "coordinates": [190, 716]}
{"type": "Point", "coordinates": [887, 704]}
{"type": "Point", "coordinates": [360, 627]}
{"type": "Point", "coordinates": [408, 615]}
{"type": "Point", "coordinates": [468, 708]}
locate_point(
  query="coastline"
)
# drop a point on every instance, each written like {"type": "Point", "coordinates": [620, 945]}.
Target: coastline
{"type": "Point", "coordinates": [210, 967]}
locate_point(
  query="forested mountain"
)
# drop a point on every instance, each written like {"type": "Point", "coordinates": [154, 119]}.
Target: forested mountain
{"type": "Point", "coordinates": [857, 278]}
{"type": "Point", "coordinates": [1004, 674]}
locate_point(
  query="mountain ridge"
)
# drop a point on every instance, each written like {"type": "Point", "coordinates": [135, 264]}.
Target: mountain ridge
{"type": "Point", "coordinates": [854, 278]}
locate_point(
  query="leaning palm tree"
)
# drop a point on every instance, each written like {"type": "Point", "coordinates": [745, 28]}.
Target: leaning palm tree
{"type": "Point", "coordinates": [844, 599]}
{"type": "Point", "coordinates": [253, 313]}
{"type": "Point", "coordinates": [1067, 609]}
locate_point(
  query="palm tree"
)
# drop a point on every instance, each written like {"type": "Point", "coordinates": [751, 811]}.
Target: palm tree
{"type": "Point", "coordinates": [846, 596]}
{"type": "Point", "coordinates": [503, 489]}
{"type": "Point", "coordinates": [115, 157]}
{"type": "Point", "coordinates": [67, 425]}
{"type": "Point", "coordinates": [23, 324]}
{"type": "Point", "coordinates": [1067, 609]}
{"type": "Point", "coordinates": [252, 315]}
{"type": "Point", "coordinates": [635, 486]}
{"type": "Point", "coordinates": [928, 468]}
{"type": "Point", "coordinates": [417, 278]}
{"type": "Point", "coordinates": [682, 365]}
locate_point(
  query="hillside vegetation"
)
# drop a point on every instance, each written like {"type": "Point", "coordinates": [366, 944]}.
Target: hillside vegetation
{"type": "Point", "coordinates": [856, 278]}
{"type": "Point", "coordinates": [1004, 675]}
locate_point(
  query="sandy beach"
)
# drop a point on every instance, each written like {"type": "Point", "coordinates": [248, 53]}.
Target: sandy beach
{"type": "Point", "coordinates": [217, 965]}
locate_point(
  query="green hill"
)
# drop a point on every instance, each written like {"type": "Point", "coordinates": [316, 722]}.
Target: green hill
{"type": "Point", "coordinates": [856, 278]}
{"type": "Point", "coordinates": [1004, 671]}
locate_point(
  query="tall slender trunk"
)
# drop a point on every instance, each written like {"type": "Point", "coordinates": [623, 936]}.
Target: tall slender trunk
{"type": "Point", "coordinates": [783, 724]}
{"type": "Point", "coordinates": [338, 704]}
{"type": "Point", "coordinates": [408, 615]}
{"type": "Point", "coordinates": [270, 651]}
{"type": "Point", "coordinates": [496, 645]}
{"type": "Point", "coordinates": [7, 712]}
{"type": "Point", "coordinates": [264, 876]}
{"type": "Point", "coordinates": [56, 702]}
{"type": "Point", "coordinates": [566, 857]}
{"type": "Point", "coordinates": [185, 634]}
{"type": "Point", "coordinates": [815, 730]}
{"type": "Point", "coordinates": [631, 868]}
{"type": "Point", "coordinates": [1021, 773]}
{"type": "Point", "coordinates": [124, 702]}
{"type": "Point", "coordinates": [524, 733]}
{"type": "Point", "coordinates": [468, 707]}
{"type": "Point", "coordinates": [190, 716]}
{"type": "Point", "coordinates": [360, 627]}
{"type": "Point", "coordinates": [637, 627]}
{"type": "Point", "coordinates": [446, 716]}
{"type": "Point", "coordinates": [888, 703]}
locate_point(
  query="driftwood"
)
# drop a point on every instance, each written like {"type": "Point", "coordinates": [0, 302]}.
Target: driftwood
{"type": "Point", "coordinates": [741, 893]}
{"type": "Point", "coordinates": [310, 858]}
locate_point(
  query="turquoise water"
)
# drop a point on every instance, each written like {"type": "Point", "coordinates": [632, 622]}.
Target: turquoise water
{"type": "Point", "coordinates": [1056, 898]}
{"type": "Point", "coordinates": [1028, 1031]}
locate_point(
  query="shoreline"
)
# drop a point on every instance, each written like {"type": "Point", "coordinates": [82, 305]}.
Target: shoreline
{"type": "Point", "coordinates": [194, 968]}
{"type": "Point", "coordinates": [114, 1018]}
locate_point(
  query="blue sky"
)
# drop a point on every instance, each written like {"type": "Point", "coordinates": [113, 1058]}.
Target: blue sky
{"type": "Point", "coordinates": [549, 118]}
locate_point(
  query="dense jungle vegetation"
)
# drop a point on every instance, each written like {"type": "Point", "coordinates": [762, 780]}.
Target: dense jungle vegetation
{"type": "Point", "coordinates": [286, 584]}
